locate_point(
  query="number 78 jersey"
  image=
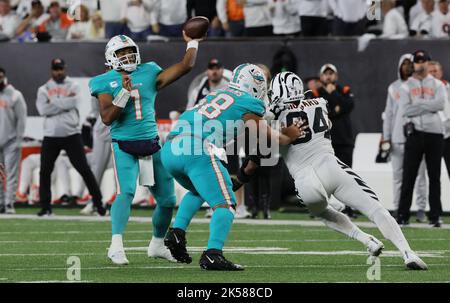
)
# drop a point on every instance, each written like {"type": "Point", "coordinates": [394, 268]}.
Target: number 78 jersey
{"type": "Point", "coordinates": [317, 141]}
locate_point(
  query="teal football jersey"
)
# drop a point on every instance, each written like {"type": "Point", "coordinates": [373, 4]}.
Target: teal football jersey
{"type": "Point", "coordinates": [218, 117]}
{"type": "Point", "coordinates": [137, 121]}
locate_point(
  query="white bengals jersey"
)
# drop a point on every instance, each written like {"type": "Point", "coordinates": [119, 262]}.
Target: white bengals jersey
{"type": "Point", "coordinates": [317, 141]}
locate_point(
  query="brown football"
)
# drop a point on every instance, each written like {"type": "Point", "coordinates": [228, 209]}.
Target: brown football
{"type": "Point", "coordinates": [196, 27]}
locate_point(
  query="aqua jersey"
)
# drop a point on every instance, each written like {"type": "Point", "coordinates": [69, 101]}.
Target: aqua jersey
{"type": "Point", "coordinates": [137, 121]}
{"type": "Point", "coordinates": [218, 117]}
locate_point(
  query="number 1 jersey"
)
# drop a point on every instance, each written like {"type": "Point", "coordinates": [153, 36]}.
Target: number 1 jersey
{"type": "Point", "coordinates": [137, 120]}
{"type": "Point", "coordinates": [317, 141]}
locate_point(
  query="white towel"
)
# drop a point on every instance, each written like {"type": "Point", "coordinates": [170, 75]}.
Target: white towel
{"type": "Point", "coordinates": [146, 175]}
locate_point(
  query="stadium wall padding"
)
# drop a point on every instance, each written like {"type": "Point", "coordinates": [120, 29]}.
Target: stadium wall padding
{"type": "Point", "coordinates": [368, 73]}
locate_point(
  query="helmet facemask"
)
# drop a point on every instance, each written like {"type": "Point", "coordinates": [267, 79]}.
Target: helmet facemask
{"type": "Point", "coordinates": [127, 62]}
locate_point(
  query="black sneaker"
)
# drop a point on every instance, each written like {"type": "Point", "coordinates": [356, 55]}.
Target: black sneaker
{"type": "Point", "coordinates": [435, 223]}
{"type": "Point", "coordinates": [402, 222]}
{"type": "Point", "coordinates": [213, 259]}
{"type": "Point", "coordinates": [100, 210]}
{"type": "Point", "coordinates": [175, 241]}
{"type": "Point", "coordinates": [45, 213]}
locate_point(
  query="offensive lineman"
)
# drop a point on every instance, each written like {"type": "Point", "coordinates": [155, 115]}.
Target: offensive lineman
{"type": "Point", "coordinates": [127, 96]}
{"type": "Point", "coordinates": [189, 155]}
{"type": "Point", "coordinates": [318, 174]}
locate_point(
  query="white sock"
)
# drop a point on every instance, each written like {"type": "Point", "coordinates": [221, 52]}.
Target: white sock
{"type": "Point", "coordinates": [158, 241]}
{"type": "Point", "coordinates": [341, 223]}
{"type": "Point", "coordinates": [390, 229]}
{"type": "Point", "coordinates": [116, 242]}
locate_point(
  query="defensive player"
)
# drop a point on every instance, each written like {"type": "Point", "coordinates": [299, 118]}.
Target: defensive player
{"type": "Point", "coordinates": [127, 96]}
{"type": "Point", "coordinates": [189, 155]}
{"type": "Point", "coordinates": [318, 174]}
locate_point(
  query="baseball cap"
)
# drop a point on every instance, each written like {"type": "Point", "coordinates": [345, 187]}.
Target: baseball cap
{"type": "Point", "coordinates": [36, 2]}
{"type": "Point", "coordinates": [54, 3]}
{"type": "Point", "coordinates": [214, 63]}
{"type": "Point", "coordinates": [327, 67]}
{"type": "Point", "coordinates": [58, 63]}
{"type": "Point", "coordinates": [421, 56]}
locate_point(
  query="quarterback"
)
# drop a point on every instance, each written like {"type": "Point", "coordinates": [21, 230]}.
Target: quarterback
{"type": "Point", "coordinates": [126, 96]}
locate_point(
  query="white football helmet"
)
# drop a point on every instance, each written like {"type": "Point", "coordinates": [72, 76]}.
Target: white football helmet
{"type": "Point", "coordinates": [285, 87]}
{"type": "Point", "coordinates": [249, 78]}
{"type": "Point", "coordinates": [128, 62]}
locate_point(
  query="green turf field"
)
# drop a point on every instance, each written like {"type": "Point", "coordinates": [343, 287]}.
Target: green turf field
{"type": "Point", "coordinates": [38, 250]}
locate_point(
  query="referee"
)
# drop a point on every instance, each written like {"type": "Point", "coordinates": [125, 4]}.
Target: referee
{"type": "Point", "coordinates": [57, 101]}
{"type": "Point", "coordinates": [422, 97]}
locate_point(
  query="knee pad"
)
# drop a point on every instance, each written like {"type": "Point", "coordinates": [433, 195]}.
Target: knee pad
{"type": "Point", "coordinates": [311, 191]}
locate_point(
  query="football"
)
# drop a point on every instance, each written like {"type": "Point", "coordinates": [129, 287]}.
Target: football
{"type": "Point", "coordinates": [196, 27]}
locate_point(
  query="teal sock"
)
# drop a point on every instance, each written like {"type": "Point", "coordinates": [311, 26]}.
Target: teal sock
{"type": "Point", "coordinates": [189, 206]}
{"type": "Point", "coordinates": [162, 216]}
{"type": "Point", "coordinates": [120, 213]}
{"type": "Point", "coordinates": [219, 228]}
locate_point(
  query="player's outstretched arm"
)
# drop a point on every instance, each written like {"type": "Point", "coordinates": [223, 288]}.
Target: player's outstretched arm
{"type": "Point", "coordinates": [181, 68]}
{"type": "Point", "coordinates": [110, 109]}
{"type": "Point", "coordinates": [286, 137]}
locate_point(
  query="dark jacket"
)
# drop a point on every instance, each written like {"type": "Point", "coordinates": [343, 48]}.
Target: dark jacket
{"type": "Point", "coordinates": [340, 105]}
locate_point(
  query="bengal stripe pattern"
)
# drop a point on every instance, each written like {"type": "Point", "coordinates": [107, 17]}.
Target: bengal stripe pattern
{"type": "Point", "coordinates": [219, 176]}
{"type": "Point", "coordinates": [358, 180]}
{"type": "Point", "coordinates": [115, 171]}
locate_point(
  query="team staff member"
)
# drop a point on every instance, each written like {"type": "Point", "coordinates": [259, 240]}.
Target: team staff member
{"type": "Point", "coordinates": [13, 113]}
{"type": "Point", "coordinates": [436, 70]}
{"type": "Point", "coordinates": [393, 134]}
{"type": "Point", "coordinates": [422, 97]}
{"type": "Point", "coordinates": [57, 102]}
{"type": "Point", "coordinates": [340, 105]}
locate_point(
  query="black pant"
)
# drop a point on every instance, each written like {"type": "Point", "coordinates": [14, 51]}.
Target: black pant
{"type": "Point", "coordinates": [341, 28]}
{"type": "Point", "coordinates": [447, 155]}
{"type": "Point", "coordinates": [314, 26]}
{"type": "Point", "coordinates": [344, 153]}
{"type": "Point", "coordinates": [417, 145]}
{"type": "Point", "coordinates": [51, 147]}
{"type": "Point", "coordinates": [260, 31]}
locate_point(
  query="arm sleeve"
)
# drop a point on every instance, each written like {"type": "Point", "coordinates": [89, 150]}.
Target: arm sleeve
{"type": "Point", "coordinates": [428, 106]}
{"type": "Point", "coordinates": [67, 103]}
{"type": "Point", "coordinates": [20, 109]}
{"type": "Point", "coordinates": [388, 117]}
{"type": "Point", "coordinates": [221, 8]}
{"type": "Point", "coordinates": [43, 105]}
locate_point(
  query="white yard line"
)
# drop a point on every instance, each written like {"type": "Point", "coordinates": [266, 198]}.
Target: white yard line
{"type": "Point", "coordinates": [201, 240]}
{"type": "Point", "coordinates": [311, 223]}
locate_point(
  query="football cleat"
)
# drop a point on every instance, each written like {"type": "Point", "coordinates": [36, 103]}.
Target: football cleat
{"type": "Point", "coordinates": [100, 210]}
{"type": "Point", "coordinates": [118, 257]}
{"type": "Point", "coordinates": [157, 249]}
{"type": "Point", "coordinates": [213, 259]}
{"type": "Point", "coordinates": [375, 247]}
{"type": "Point", "coordinates": [412, 261]}
{"type": "Point", "coordinates": [175, 241]}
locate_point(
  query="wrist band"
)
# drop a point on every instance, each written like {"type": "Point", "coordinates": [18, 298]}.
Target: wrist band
{"type": "Point", "coordinates": [122, 98]}
{"type": "Point", "coordinates": [192, 44]}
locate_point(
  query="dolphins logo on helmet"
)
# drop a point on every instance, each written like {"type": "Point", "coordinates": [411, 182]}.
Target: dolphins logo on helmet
{"type": "Point", "coordinates": [128, 62]}
{"type": "Point", "coordinates": [249, 78]}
